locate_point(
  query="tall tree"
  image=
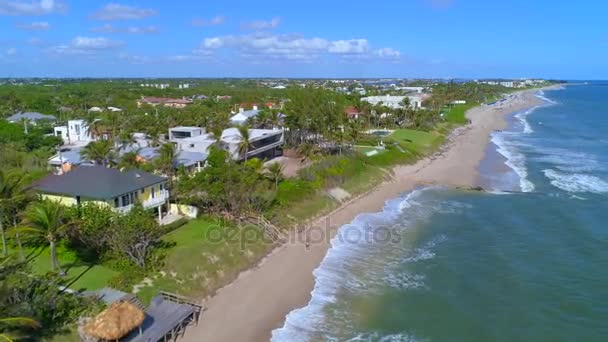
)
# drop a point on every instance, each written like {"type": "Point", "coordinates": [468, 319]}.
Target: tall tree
{"type": "Point", "coordinates": [11, 186]}
{"type": "Point", "coordinates": [274, 172]}
{"type": "Point", "coordinates": [46, 219]}
{"type": "Point", "coordinates": [166, 159]}
{"type": "Point", "coordinates": [129, 160]}
{"type": "Point", "coordinates": [101, 152]}
{"type": "Point", "coordinates": [245, 142]}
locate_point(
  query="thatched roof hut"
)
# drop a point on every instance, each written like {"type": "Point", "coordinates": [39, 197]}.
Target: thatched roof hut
{"type": "Point", "coordinates": [115, 322]}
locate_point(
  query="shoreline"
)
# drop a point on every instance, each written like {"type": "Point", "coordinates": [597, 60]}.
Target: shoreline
{"type": "Point", "coordinates": [258, 301]}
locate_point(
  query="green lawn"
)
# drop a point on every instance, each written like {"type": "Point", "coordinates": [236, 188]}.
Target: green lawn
{"type": "Point", "coordinates": [80, 275]}
{"type": "Point", "coordinates": [203, 256]}
{"type": "Point", "coordinates": [421, 138]}
{"type": "Point", "coordinates": [418, 141]}
{"type": "Point", "coordinates": [456, 114]}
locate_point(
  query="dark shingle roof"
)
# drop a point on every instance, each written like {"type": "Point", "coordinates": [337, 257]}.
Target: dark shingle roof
{"type": "Point", "coordinates": [97, 182]}
{"type": "Point", "coordinates": [31, 116]}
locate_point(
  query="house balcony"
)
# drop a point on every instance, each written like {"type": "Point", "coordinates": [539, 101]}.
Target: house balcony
{"type": "Point", "coordinates": [160, 198]}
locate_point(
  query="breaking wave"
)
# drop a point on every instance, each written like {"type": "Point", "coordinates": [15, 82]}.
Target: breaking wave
{"type": "Point", "coordinates": [576, 182]}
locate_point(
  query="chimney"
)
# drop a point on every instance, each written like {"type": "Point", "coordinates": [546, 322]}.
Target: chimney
{"type": "Point", "coordinates": [241, 109]}
{"type": "Point", "coordinates": [255, 107]}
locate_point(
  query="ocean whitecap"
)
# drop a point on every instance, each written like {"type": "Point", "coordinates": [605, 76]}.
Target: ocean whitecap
{"type": "Point", "coordinates": [576, 182]}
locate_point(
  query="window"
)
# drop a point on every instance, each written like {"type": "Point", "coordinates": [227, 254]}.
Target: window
{"type": "Point", "coordinates": [152, 191]}
{"type": "Point", "coordinates": [161, 187]}
{"type": "Point", "coordinates": [116, 202]}
{"type": "Point", "coordinates": [126, 200]}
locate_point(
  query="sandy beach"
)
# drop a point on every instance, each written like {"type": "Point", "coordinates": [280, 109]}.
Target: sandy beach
{"type": "Point", "coordinates": [258, 300]}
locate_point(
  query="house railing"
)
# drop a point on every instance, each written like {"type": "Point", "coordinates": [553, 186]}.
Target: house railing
{"type": "Point", "coordinates": [124, 209]}
{"type": "Point", "coordinates": [160, 197]}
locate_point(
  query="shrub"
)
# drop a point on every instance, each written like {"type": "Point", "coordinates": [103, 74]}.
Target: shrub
{"type": "Point", "coordinates": [292, 190]}
{"type": "Point", "coordinates": [126, 279]}
{"type": "Point", "coordinates": [174, 225]}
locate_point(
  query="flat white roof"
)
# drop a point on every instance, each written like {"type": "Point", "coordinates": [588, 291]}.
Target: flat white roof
{"type": "Point", "coordinates": [185, 128]}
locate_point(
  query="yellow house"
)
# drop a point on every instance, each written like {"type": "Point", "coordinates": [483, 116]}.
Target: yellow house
{"type": "Point", "coordinates": [106, 186]}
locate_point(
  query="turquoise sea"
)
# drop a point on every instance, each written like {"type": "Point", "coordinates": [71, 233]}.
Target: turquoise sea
{"type": "Point", "coordinates": [445, 265]}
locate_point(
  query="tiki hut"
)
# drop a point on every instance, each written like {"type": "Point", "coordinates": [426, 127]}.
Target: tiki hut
{"type": "Point", "coordinates": [115, 322]}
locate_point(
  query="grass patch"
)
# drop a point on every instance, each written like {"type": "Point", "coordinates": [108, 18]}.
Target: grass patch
{"type": "Point", "coordinates": [414, 137]}
{"type": "Point", "coordinates": [80, 275]}
{"type": "Point", "coordinates": [205, 254]}
{"type": "Point", "coordinates": [365, 149]}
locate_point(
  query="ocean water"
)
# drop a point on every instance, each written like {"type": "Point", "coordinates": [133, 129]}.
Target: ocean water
{"type": "Point", "coordinates": [526, 264]}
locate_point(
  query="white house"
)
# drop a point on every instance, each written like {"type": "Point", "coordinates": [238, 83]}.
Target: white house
{"type": "Point", "coordinates": [181, 132]}
{"type": "Point", "coordinates": [243, 115]}
{"type": "Point", "coordinates": [395, 101]}
{"type": "Point", "coordinates": [264, 143]}
{"type": "Point", "coordinates": [75, 132]}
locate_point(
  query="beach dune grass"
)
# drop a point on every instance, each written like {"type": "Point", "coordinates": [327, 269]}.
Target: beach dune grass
{"type": "Point", "coordinates": [203, 255]}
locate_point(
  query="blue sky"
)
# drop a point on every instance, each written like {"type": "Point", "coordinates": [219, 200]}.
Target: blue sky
{"type": "Point", "coordinates": [329, 38]}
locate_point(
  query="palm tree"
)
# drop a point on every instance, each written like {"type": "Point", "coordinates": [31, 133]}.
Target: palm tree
{"type": "Point", "coordinates": [245, 143]}
{"type": "Point", "coordinates": [129, 160]}
{"type": "Point", "coordinates": [94, 127]}
{"type": "Point", "coordinates": [274, 118]}
{"type": "Point", "coordinates": [46, 219]}
{"type": "Point", "coordinates": [11, 186]}
{"type": "Point", "coordinates": [166, 159]}
{"type": "Point", "coordinates": [100, 152]}
{"type": "Point", "coordinates": [10, 323]}
{"type": "Point", "coordinates": [274, 172]}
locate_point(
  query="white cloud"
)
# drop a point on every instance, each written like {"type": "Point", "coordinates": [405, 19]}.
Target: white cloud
{"type": "Point", "coordinates": [108, 28]}
{"type": "Point", "coordinates": [351, 46]}
{"type": "Point", "coordinates": [388, 53]}
{"type": "Point", "coordinates": [86, 45]}
{"type": "Point", "coordinates": [260, 25]}
{"type": "Point", "coordinates": [11, 51]}
{"type": "Point", "coordinates": [30, 7]}
{"type": "Point", "coordinates": [255, 47]}
{"type": "Point", "coordinates": [215, 21]}
{"type": "Point", "coordinates": [114, 11]}
{"type": "Point", "coordinates": [35, 26]}
{"type": "Point", "coordinates": [133, 59]}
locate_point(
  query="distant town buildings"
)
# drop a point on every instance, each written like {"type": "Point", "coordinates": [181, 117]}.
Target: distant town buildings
{"type": "Point", "coordinates": [155, 85]}
{"type": "Point", "coordinates": [396, 101]}
{"type": "Point", "coordinates": [164, 101]}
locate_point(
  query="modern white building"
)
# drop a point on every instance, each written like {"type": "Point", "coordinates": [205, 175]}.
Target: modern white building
{"type": "Point", "coordinates": [75, 132]}
{"type": "Point", "coordinates": [395, 101]}
{"type": "Point", "coordinates": [263, 143]}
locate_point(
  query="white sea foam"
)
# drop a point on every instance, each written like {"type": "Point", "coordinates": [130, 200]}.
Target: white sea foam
{"type": "Point", "coordinates": [404, 280]}
{"type": "Point", "coordinates": [369, 337]}
{"type": "Point", "coordinates": [541, 95]}
{"type": "Point", "coordinates": [576, 182]}
{"type": "Point", "coordinates": [522, 117]}
{"type": "Point", "coordinates": [568, 161]}
{"type": "Point", "coordinates": [515, 159]}
{"type": "Point", "coordinates": [338, 270]}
